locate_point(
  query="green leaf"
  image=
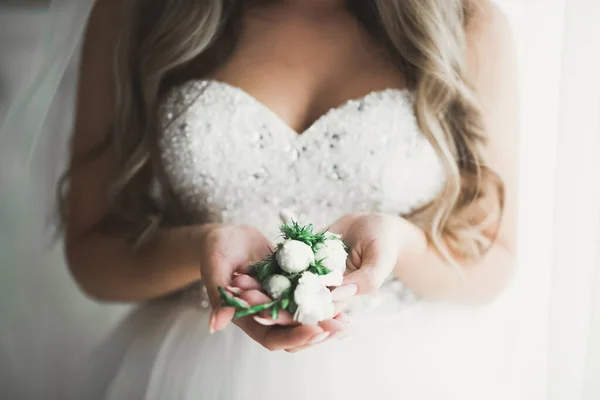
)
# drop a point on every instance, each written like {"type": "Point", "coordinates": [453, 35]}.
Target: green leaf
{"type": "Point", "coordinates": [318, 268]}
{"type": "Point", "coordinates": [265, 268]}
{"type": "Point", "coordinates": [253, 310]}
{"type": "Point", "coordinates": [294, 231]}
{"type": "Point", "coordinates": [285, 303]}
{"type": "Point", "coordinates": [230, 301]}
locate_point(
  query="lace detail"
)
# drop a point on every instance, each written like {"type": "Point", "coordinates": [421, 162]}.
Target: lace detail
{"type": "Point", "coordinates": [231, 159]}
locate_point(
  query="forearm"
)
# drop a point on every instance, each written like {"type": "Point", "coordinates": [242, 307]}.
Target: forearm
{"type": "Point", "coordinates": [430, 276]}
{"type": "Point", "coordinates": [108, 268]}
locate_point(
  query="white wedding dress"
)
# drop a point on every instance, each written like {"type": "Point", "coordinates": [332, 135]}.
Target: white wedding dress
{"type": "Point", "coordinates": [229, 158]}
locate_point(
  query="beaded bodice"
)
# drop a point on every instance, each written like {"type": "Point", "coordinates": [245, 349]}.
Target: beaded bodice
{"type": "Point", "coordinates": [230, 158]}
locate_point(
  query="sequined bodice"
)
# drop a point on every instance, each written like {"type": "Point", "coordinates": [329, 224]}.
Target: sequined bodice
{"type": "Point", "coordinates": [230, 158]}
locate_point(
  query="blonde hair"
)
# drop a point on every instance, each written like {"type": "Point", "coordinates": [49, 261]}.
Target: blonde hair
{"type": "Point", "coordinates": [426, 39]}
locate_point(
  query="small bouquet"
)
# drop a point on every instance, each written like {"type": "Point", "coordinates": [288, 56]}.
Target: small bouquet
{"type": "Point", "coordinates": [297, 275]}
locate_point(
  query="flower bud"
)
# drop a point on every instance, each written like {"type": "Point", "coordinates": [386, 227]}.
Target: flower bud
{"type": "Point", "coordinates": [277, 285]}
{"type": "Point", "coordinates": [332, 254]}
{"type": "Point", "coordinates": [294, 256]}
{"type": "Point", "coordinates": [313, 299]}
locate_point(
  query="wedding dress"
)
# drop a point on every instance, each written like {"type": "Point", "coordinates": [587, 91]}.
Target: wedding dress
{"type": "Point", "coordinates": [229, 158]}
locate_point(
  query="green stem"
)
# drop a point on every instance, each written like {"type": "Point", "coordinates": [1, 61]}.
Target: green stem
{"type": "Point", "coordinates": [253, 310]}
{"type": "Point", "coordinates": [231, 301]}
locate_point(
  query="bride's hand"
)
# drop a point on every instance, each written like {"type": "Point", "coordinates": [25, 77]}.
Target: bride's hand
{"type": "Point", "coordinates": [228, 250]}
{"type": "Point", "coordinates": [376, 243]}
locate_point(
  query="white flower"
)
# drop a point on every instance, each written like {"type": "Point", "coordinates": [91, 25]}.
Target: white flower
{"type": "Point", "coordinates": [276, 285]}
{"type": "Point", "coordinates": [294, 256]}
{"type": "Point", "coordinates": [332, 254]}
{"type": "Point", "coordinates": [334, 278]}
{"type": "Point", "coordinates": [313, 299]}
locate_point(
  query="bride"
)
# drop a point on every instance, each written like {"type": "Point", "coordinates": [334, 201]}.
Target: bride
{"type": "Point", "coordinates": [201, 124]}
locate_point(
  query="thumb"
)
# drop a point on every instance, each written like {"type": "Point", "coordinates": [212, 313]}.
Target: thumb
{"type": "Point", "coordinates": [376, 265]}
{"type": "Point", "coordinates": [218, 273]}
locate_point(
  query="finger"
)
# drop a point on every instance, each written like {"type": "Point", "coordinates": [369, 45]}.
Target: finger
{"type": "Point", "coordinates": [264, 321]}
{"type": "Point", "coordinates": [339, 307]}
{"type": "Point", "coordinates": [343, 317]}
{"type": "Point", "coordinates": [245, 282]}
{"type": "Point", "coordinates": [217, 273]}
{"type": "Point", "coordinates": [255, 297]}
{"type": "Point", "coordinates": [332, 328]}
{"type": "Point", "coordinates": [374, 269]}
{"type": "Point", "coordinates": [220, 318]}
{"type": "Point", "coordinates": [367, 280]}
{"type": "Point", "coordinates": [336, 326]}
{"type": "Point", "coordinates": [286, 338]}
{"type": "Point", "coordinates": [347, 327]}
{"type": "Point", "coordinates": [244, 268]}
{"type": "Point", "coordinates": [284, 318]}
{"type": "Point", "coordinates": [236, 291]}
{"type": "Point", "coordinates": [278, 338]}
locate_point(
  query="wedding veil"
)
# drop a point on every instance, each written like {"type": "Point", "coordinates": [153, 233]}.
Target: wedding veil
{"type": "Point", "coordinates": [47, 324]}
{"type": "Point", "coordinates": [35, 131]}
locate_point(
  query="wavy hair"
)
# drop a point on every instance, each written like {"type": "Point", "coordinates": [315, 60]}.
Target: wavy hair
{"type": "Point", "coordinates": [427, 41]}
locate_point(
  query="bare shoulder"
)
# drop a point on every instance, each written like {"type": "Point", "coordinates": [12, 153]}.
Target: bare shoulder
{"type": "Point", "coordinates": [490, 41]}
{"type": "Point", "coordinates": [95, 114]}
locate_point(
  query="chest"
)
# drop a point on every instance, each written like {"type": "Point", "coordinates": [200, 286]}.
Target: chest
{"type": "Point", "coordinates": [230, 158]}
{"type": "Point", "coordinates": [309, 118]}
{"type": "Point", "coordinates": [300, 69]}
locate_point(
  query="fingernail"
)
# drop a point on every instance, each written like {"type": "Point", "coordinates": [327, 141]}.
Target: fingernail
{"type": "Point", "coordinates": [344, 292]}
{"type": "Point", "coordinates": [320, 337]}
{"type": "Point", "coordinates": [264, 321]}
{"type": "Point", "coordinates": [243, 303]}
{"type": "Point", "coordinates": [234, 290]}
{"type": "Point", "coordinates": [211, 323]}
{"type": "Point", "coordinates": [237, 274]}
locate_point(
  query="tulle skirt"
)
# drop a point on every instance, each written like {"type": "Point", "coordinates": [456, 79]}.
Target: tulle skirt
{"type": "Point", "coordinates": [164, 350]}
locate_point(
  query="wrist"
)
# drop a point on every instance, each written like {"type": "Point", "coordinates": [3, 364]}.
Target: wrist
{"type": "Point", "coordinates": [194, 244]}
{"type": "Point", "coordinates": [413, 242]}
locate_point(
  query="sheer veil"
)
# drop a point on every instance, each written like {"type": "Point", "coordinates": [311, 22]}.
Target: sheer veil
{"type": "Point", "coordinates": [48, 326]}
{"type": "Point", "coordinates": [38, 123]}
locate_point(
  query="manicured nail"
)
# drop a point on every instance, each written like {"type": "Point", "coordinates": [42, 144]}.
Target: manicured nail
{"type": "Point", "coordinates": [234, 290]}
{"type": "Point", "coordinates": [243, 303]}
{"type": "Point", "coordinates": [344, 292]}
{"type": "Point", "coordinates": [320, 338]}
{"type": "Point", "coordinates": [264, 321]}
{"type": "Point", "coordinates": [211, 323]}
